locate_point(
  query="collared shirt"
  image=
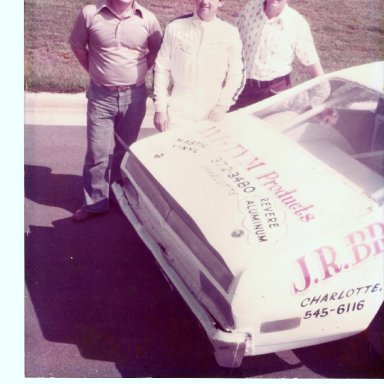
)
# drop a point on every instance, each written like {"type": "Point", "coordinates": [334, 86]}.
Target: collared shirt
{"type": "Point", "coordinates": [204, 61]}
{"type": "Point", "coordinates": [270, 45]}
{"type": "Point", "coordinates": [117, 46]}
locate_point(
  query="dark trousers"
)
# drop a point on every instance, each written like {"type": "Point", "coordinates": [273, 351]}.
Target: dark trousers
{"type": "Point", "coordinates": [256, 90]}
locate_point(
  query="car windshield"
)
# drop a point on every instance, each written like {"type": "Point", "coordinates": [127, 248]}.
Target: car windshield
{"type": "Point", "coordinates": [340, 122]}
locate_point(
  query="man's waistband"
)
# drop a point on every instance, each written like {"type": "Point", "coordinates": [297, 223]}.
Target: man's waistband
{"type": "Point", "coordinates": [120, 88]}
{"type": "Point", "coordinates": [267, 83]}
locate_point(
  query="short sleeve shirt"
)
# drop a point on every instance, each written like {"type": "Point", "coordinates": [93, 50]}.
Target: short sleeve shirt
{"type": "Point", "coordinates": [271, 45]}
{"type": "Point", "coordinates": [117, 46]}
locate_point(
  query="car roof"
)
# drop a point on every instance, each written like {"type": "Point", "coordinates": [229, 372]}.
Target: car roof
{"type": "Point", "coordinates": [370, 75]}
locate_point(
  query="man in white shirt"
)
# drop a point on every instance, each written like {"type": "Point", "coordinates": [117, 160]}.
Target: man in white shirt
{"type": "Point", "coordinates": [201, 56]}
{"type": "Point", "coordinates": [273, 34]}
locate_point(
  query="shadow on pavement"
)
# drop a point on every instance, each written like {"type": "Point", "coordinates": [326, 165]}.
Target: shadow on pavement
{"type": "Point", "coordinates": [347, 358]}
{"type": "Point", "coordinates": [53, 190]}
{"type": "Point", "coordinates": [95, 285]}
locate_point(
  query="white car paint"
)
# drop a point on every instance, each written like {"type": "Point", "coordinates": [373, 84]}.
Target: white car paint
{"type": "Point", "coordinates": [270, 223]}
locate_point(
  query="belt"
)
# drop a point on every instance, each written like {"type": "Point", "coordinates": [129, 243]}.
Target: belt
{"type": "Point", "coordinates": [121, 88]}
{"type": "Point", "coordinates": [266, 83]}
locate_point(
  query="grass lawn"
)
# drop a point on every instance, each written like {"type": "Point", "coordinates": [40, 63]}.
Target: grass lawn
{"type": "Point", "coordinates": [346, 32]}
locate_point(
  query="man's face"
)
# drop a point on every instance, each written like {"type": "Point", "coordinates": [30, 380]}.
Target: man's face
{"type": "Point", "coordinates": [123, 2]}
{"type": "Point", "coordinates": [276, 5]}
{"type": "Point", "coordinates": [207, 9]}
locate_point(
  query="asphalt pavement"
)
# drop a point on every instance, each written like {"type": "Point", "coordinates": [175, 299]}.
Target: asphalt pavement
{"type": "Point", "coordinates": [97, 305]}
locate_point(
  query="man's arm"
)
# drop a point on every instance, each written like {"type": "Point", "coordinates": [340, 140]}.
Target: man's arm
{"type": "Point", "coordinates": [314, 70]}
{"type": "Point", "coordinates": [235, 79]}
{"type": "Point", "coordinates": [82, 56]}
{"type": "Point", "coordinates": [154, 43]}
{"type": "Point", "coordinates": [78, 39]}
{"type": "Point", "coordinates": [306, 51]}
{"type": "Point", "coordinates": [151, 57]}
{"type": "Point", "coordinates": [161, 81]}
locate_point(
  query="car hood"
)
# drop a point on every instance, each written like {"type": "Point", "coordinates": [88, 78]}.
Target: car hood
{"type": "Point", "coordinates": [251, 191]}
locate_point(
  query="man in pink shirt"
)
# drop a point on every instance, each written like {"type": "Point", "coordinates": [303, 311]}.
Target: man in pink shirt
{"type": "Point", "coordinates": [116, 42]}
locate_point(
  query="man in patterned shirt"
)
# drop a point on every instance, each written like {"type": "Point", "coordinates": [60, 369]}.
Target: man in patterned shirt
{"type": "Point", "coordinates": [273, 34]}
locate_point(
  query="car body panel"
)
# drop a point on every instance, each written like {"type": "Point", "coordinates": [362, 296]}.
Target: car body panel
{"type": "Point", "coordinates": [271, 221]}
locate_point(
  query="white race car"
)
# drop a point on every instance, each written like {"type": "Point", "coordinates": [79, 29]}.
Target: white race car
{"type": "Point", "coordinates": [270, 223]}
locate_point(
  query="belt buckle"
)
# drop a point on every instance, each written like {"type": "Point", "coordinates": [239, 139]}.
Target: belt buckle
{"type": "Point", "coordinates": [123, 88]}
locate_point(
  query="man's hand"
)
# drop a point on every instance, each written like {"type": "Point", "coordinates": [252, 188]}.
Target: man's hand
{"type": "Point", "coordinates": [160, 120]}
{"type": "Point", "coordinates": [328, 116]}
{"type": "Point", "coordinates": [217, 113]}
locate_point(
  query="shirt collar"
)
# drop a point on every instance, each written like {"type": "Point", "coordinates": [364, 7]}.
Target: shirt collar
{"type": "Point", "coordinates": [201, 23]}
